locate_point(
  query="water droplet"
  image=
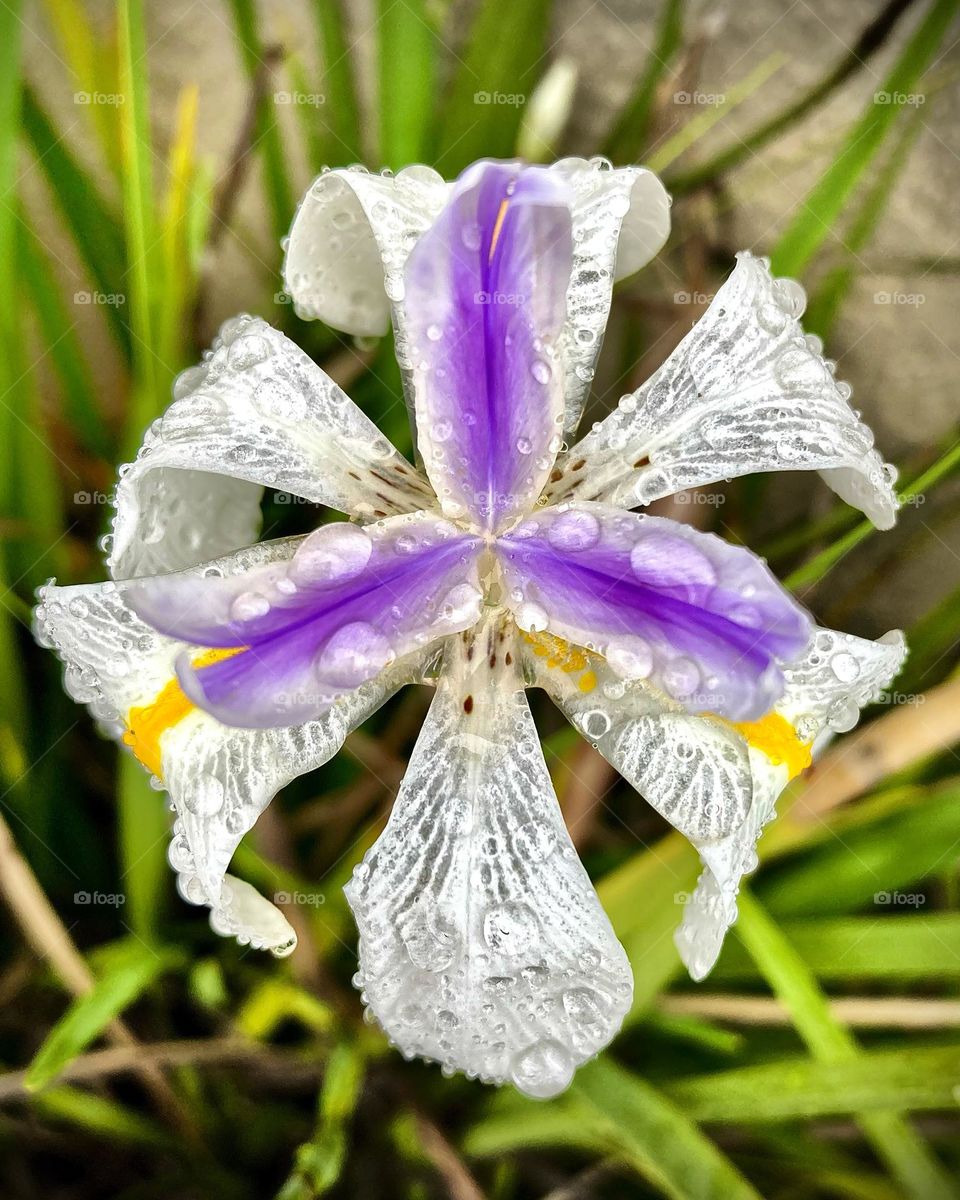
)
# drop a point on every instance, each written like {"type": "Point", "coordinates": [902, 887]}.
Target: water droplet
{"type": "Point", "coordinates": [583, 1005]}
{"type": "Point", "coordinates": [248, 606]}
{"type": "Point", "coordinates": [843, 714]}
{"type": "Point", "coordinates": [434, 333]}
{"type": "Point", "coordinates": [630, 656]}
{"type": "Point", "coordinates": [542, 1070]}
{"type": "Point", "coordinates": [540, 370]}
{"type": "Point", "coordinates": [845, 667]}
{"type": "Point", "coordinates": [680, 677]}
{"type": "Point", "coordinates": [331, 554]}
{"type": "Point", "coordinates": [531, 617]}
{"type": "Point", "coordinates": [790, 296]}
{"type": "Point", "coordinates": [354, 654]}
{"type": "Point", "coordinates": [511, 928]}
{"type": "Point", "coordinates": [205, 798]}
{"type": "Point", "coordinates": [573, 531]}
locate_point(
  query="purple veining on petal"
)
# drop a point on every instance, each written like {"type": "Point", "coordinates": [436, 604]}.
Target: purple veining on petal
{"type": "Point", "coordinates": [704, 621]}
{"type": "Point", "coordinates": [485, 299]}
{"type": "Point", "coordinates": [323, 621]}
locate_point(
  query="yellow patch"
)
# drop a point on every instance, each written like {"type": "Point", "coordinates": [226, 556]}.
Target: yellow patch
{"type": "Point", "coordinates": [775, 737]}
{"type": "Point", "coordinates": [563, 656]}
{"type": "Point", "coordinates": [497, 226]}
{"type": "Point", "coordinates": [145, 724]}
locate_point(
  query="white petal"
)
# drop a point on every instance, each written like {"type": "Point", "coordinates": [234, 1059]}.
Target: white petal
{"type": "Point", "coordinates": [839, 675]}
{"type": "Point", "coordinates": [621, 219]}
{"type": "Point", "coordinates": [694, 772]}
{"type": "Point", "coordinates": [349, 243]}
{"type": "Point", "coordinates": [219, 778]}
{"type": "Point", "coordinates": [257, 412]}
{"type": "Point", "coordinates": [483, 945]}
{"type": "Point", "coordinates": [744, 391]}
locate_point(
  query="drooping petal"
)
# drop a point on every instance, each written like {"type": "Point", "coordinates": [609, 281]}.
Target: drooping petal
{"type": "Point", "coordinates": [825, 689]}
{"type": "Point", "coordinates": [353, 232]}
{"type": "Point", "coordinates": [343, 604]}
{"type": "Point", "coordinates": [701, 620]}
{"type": "Point", "coordinates": [256, 412]}
{"type": "Point", "coordinates": [621, 219]}
{"type": "Point", "coordinates": [483, 945]}
{"type": "Point", "coordinates": [716, 781]}
{"type": "Point", "coordinates": [484, 305]}
{"type": "Point", "coordinates": [744, 391]}
{"type": "Point", "coordinates": [219, 779]}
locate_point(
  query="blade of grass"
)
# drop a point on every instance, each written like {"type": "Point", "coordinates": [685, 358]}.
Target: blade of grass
{"type": "Point", "coordinates": [818, 213]}
{"type": "Point", "coordinates": [698, 126]}
{"type": "Point", "coordinates": [833, 289]}
{"type": "Point", "coordinates": [341, 111]}
{"type": "Point", "coordinates": [94, 226]}
{"type": "Point", "coordinates": [81, 407]}
{"type": "Point", "coordinates": [814, 570]}
{"type": "Point", "coordinates": [280, 194]}
{"type": "Point", "coordinates": [178, 277]}
{"type": "Point", "coordinates": [893, 1139]}
{"type": "Point", "coordinates": [131, 971]}
{"type": "Point", "coordinates": [407, 47]}
{"type": "Point", "coordinates": [628, 136]}
{"type": "Point", "coordinates": [873, 37]}
{"type": "Point", "coordinates": [481, 115]}
{"type": "Point", "coordinates": [99, 1116]}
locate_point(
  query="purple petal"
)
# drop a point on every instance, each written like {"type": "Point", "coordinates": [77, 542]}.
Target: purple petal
{"type": "Point", "coordinates": [704, 621]}
{"type": "Point", "coordinates": [485, 300]}
{"type": "Point", "coordinates": [345, 603]}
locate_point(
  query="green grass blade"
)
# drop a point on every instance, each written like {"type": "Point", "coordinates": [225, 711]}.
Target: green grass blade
{"type": "Point", "coordinates": [894, 1141]}
{"type": "Point", "coordinates": [94, 226]}
{"type": "Point", "coordinates": [873, 37]}
{"type": "Point", "coordinates": [501, 63]}
{"type": "Point", "coordinates": [131, 971]}
{"type": "Point", "coordinates": [281, 198]}
{"type": "Point", "coordinates": [99, 1116]}
{"type": "Point", "coordinates": [831, 292]}
{"type": "Point", "coordinates": [641, 1126]}
{"type": "Point", "coordinates": [341, 113]}
{"type": "Point", "coordinates": [818, 213]}
{"type": "Point", "coordinates": [913, 1078]}
{"type": "Point", "coordinates": [81, 406]}
{"type": "Point", "coordinates": [814, 570]}
{"type": "Point", "coordinates": [628, 137]}
{"type": "Point", "coordinates": [407, 48]}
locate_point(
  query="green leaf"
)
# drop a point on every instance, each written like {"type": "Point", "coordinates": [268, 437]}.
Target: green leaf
{"type": "Point", "coordinates": [481, 116]}
{"type": "Point", "coordinates": [627, 139]}
{"type": "Point", "coordinates": [100, 1116]}
{"type": "Point", "coordinates": [637, 1124]}
{"type": "Point", "coordinates": [819, 211]}
{"type": "Point", "coordinates": [341, 114]}
{"type": "Point", "coordinates": [407, 48]}
{"type": "Point", "coordinates": [915, 1078]}
{"type": "Point", "coordinates": [872, 38]}
{"type": "Point", "coordinates": [894, 1141]}
{"type": "Point", "coordinates": [94, 225]}
{"type": "Point", "coordinates": [280, 195]}
{"type": "Point", "coordinates": [132, 969]}
{"type": "Point", "coordinates": [896, 949]}
{"type": "Point", "coordinates": [144, 832]}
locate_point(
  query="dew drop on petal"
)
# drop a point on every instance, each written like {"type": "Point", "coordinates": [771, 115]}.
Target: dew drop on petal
{"type": "Point", "coordinates": [540, 371]}
{"type": "Point", "coordinates": [573, 530]}
{"type": "Point", "coordinates": [332, 554]}
{"type": "Point", "coordinates": [630, 656]}
{"type": "Point", "coordinates": [248, 606]}
{"type": "Point", "coordinates": [680, 677]}
{"type": "Point", "coordinates": [354, 654]}
{"type": "Point", "coordinates": [531, 617]}
{"type": "Point", "coordinates": [542, 1070]}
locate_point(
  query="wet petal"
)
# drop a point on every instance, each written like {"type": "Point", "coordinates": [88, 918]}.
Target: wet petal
{"type": "Point", "coordinates": [744, 391]}
{"type": "Point", "coordinates": [484, 305]}
{"type": "Point", "coordinates": [621, 218]}
{"type": "Point", "coordinates": [825, 689]}
{"type": "Point", "coordinates": [702, 621]}
{"type": "Point", "coordinates": [342, 605]}
{"type": "Point", "coordinates": [220, 779]}
{"type": "Point", "coordinates": [257, 412]}
{"type": "Point", "coordinates": [483, 945]}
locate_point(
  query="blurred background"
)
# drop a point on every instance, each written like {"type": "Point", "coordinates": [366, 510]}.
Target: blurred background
{"type": "Point", "coordinates": [151, 157]}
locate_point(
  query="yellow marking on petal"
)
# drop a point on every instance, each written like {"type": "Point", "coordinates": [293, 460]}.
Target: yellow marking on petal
{"type": "Point", "coordinates": [146, 723]}
{"type": "Point", "coordinates": [564, 656]}
{"type": "Point", "coordinates": [774, 736]}
{"type": "Point", "coordinates": [497, 226]}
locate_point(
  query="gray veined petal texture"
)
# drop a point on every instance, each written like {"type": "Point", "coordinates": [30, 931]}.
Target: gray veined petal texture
{"type": "Point", "coordinates": [744, 391]}
{"type": "Point", "coordinates": [483, 945]}
{"type": "Point", "coordinates": [219, 778]}
{"type": "Point", "coordinates": [826, 688]}
{"type": "Point", "coordinates": [257, 412]}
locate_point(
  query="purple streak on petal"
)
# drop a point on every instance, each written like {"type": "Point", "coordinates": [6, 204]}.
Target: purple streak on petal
{"type": "Point", "coordinates": [320, 623]}
{"type": "Point", "coordinates": [705, 621]}
{"type": "Point", "coordinates": [485, 298]}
